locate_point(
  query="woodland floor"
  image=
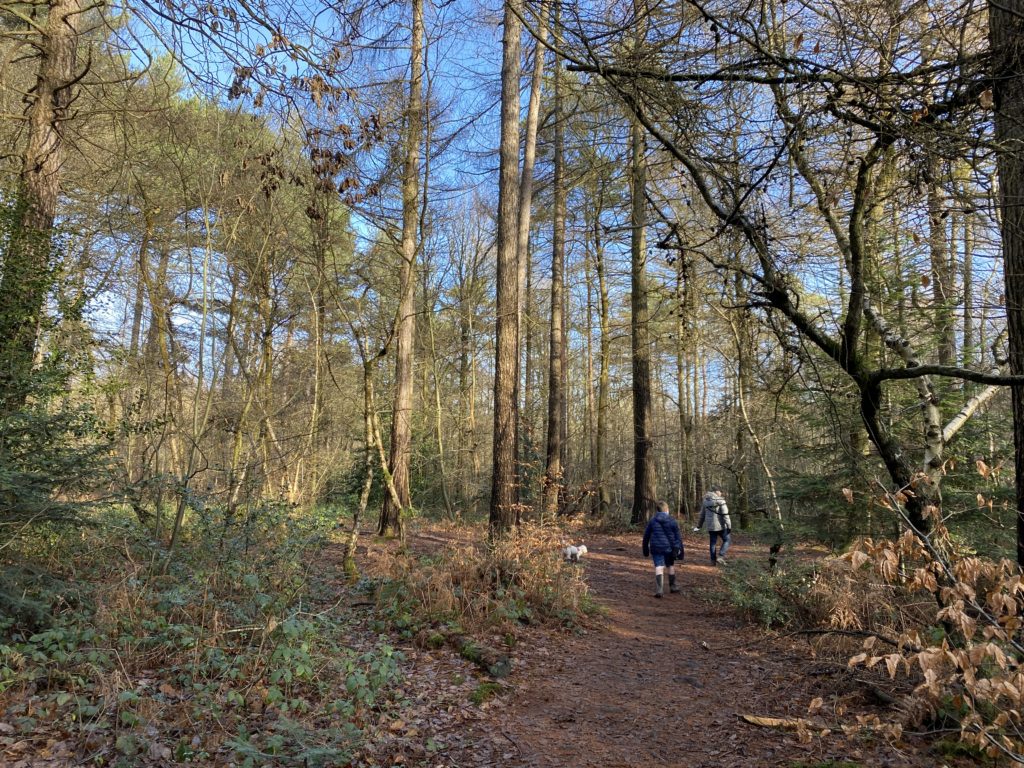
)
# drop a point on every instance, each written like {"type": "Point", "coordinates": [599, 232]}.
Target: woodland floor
{"type": "Point", "coordinates": [650, 683]}
{"type": "Point", "coordinates": [646, 683]}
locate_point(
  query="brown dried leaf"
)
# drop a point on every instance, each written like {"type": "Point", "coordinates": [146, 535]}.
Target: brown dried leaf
{"type": "Point", "coordinates": [889, 565]}
{"type": "Point", "coordinates": [892, 662]}
{"type": "Point", "coordinates": [786, 723]}
{"type": "Point", "coordinates": [858, 558]}
{"type": "Point", "coordinates": [924, 579]}
{"type": "Point", "coordinates": [930, 659]}
{"type": "Point", "coordinates": [848, 495]}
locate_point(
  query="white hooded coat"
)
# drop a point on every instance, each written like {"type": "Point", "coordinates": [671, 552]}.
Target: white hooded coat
{"type": "Point", "coordinates": [714, 512]}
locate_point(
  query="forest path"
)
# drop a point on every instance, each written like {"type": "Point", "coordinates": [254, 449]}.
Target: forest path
{"type": "Point", "coordinates": [641, 689]}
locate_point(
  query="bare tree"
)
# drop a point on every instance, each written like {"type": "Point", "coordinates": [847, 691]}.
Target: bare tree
{"type": "Point", "coordinates": [401, 425]}
{"type": "Point", "coordinates": [832, 124]}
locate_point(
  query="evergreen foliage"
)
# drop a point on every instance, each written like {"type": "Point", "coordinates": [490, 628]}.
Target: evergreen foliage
{"type": "Point", "coordinates": [53, 452]}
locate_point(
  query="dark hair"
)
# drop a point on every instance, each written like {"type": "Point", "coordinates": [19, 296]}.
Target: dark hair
{"type": "Point", "coordinates": [716, 488]}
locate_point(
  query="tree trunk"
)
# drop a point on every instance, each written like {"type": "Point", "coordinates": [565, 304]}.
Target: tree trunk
{"type": "Point", "coordinates": [556, 359]}
{"type": "Point", "coordinates": [968, 354]}
{"type": "Point", "coordinates": [307, 479]}
{"type": "Point", "coordinates": [604, 499]}
{"type": "Point", "coordinates": [588, 376]}
{"type": "Point", "coordinates": [468, 253]}
{"type": "Point", "coordinates": [744, 339]}
{"type": "Point", "coordinates": [1006, 37]}
{"type": "Point", "coordinates": [139, 305]}
{"type": "Point", "coordinates": [401, 429]}
{"type": "Point", "coordinates": [27, 271]}
{"type": "Point", "coordinates": [504, 510]}
{"type": "Point", "coordinates": [684, 484]}
{"type": "Point", "coordinates": [644, 480]}
{"type": "Point", "coordinates": [371, 435]}
{"type": "Point", "coordinates": [523, 236]}
{"type": "Point", "coordinates": [526, 449]}
{"type": "Point", "coordinates": [466, 489]}
{"type": "Point", "coordinates": [438, 421]}
{"type": "Point", "coordinates": [942, 274]}
{"type": "Point", "coordinates": [351, 569]}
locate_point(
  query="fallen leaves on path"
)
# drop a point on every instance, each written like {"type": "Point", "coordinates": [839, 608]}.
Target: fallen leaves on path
{"type": "Point", "coordinates": [668, 682]}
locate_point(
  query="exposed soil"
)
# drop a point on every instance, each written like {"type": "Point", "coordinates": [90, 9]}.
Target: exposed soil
{"type": "Point", "coordinates": [663, 682]}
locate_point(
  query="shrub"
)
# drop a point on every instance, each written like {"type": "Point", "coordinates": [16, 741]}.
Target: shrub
{"type": "Point", "coordinates": [52, 455]}
{"type": "Point", "coordinates": [923, 608]}
{"type": "Point", "coordinates": [961, 645]}
{"type": "Point", "coordinates": [53, 452]}
{"type": "Point", "coordinates": [228, 634]}
{"type": "Point", "coordinates": [520, 579]}
{"type": "Point", "coordinates": [771, 598]}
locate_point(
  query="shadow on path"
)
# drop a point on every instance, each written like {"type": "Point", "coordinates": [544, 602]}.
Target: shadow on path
{"type": "Point", "coordinates": [660, 682]}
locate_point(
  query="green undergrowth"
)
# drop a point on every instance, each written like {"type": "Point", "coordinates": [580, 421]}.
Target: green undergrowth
{"type": "Point", "coordinates": [771, 598]}
{"type": "Point", "coordinates": [484, 692]}
{"type": "Point", "coordinates": [235, 653]}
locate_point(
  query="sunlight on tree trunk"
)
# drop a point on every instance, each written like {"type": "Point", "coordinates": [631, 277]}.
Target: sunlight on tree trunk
{"type": "Point", "coordinates": [401, 418]}
{"type": "Point", "coordinates": [504, 509]}
{"type": "Point", "coordinates": [27, 268]}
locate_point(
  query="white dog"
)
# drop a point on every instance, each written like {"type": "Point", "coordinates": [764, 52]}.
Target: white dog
{"type": "Point", "coordinates": [573, 553]}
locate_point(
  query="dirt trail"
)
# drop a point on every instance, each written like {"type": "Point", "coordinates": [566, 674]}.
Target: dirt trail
{"type": "Point", "coordinates": [642, 689]}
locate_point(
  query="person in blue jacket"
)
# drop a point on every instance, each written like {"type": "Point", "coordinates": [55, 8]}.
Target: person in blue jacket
{"type": "Point", "coordinates": [663, 543]}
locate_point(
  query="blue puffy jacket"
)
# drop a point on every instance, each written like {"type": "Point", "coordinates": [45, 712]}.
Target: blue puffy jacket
{"type": "Point", "coordinates": [662, 535]}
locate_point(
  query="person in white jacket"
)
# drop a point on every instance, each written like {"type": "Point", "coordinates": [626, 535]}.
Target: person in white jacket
{"type": "Point", "coordinates": [714, 514]}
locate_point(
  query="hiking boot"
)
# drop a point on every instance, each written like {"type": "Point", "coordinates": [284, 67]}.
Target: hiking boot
{"type": "Point", "coordinates": [721, 561]}
{"type": "Point", "coordinates": [660, 581]}
{"type": "Point", "coordinates": [672, 583]}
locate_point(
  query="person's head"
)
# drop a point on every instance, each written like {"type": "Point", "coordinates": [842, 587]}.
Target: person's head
{"type": "Point", "coordinates": [718, 489]}
{"type": "Point", "coordinates": [663, 507]}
